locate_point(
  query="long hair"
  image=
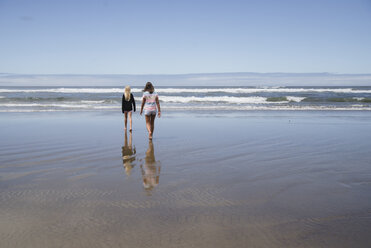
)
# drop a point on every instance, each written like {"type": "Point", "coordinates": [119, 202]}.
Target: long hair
{"type": "Point", "coordinates": [149, 87]}
{"type": "Point", "coordinates": [127, 93]}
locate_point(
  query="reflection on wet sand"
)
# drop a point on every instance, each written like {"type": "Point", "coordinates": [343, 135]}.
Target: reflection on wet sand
{"type": "Point", "coordinates": [150, 169]}
{"type": "Point", "coordinates": [128, 154]}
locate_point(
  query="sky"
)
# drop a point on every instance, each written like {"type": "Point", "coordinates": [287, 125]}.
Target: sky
{"type": "Point", "coordinates": [180, 37]}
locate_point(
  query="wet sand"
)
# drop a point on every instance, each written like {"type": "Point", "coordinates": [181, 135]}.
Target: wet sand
{"type": "Point", "coordinates": [261, 179]}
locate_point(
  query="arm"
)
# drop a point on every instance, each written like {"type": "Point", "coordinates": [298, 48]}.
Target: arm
{"type": "Point", "coordinates": [133, 101]}
{"type": "Point", "coordinates": [122, 104]}
{"type": "Point", "coordinates": [143, 102]}
{"type": "Point", "coordinates": [158, 106]}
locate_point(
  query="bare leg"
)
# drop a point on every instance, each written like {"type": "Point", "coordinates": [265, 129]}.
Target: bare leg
{"type": "Point", "coordinates": [130, 121]}
{"type": "Point", "coordinates": [153, 123]}
{"type": "Point", "coordinates": [126, 119]}
{"type": "Point", "coordinates": [148, 125]}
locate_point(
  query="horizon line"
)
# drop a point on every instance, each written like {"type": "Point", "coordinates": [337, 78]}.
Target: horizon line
{"type": "Point", "coordinates": [179, 74]}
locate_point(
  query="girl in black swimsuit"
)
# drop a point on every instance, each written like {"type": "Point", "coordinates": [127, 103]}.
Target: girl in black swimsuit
{"type": "Point", "coordinates": [128, 104]}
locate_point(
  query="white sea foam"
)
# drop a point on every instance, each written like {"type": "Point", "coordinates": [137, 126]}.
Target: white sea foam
{"type": "Point", "coordinates": [203, 90]}
{"type": "Point", "coordinates": [271, 107]}
{"type": "Point", "coordinates": [48, 110]}
{"type": "Point", "coordinates": [295, 98]}
{"type": "Point", "coordinates": [64, 107]}
{"type": "Point", "coordinates": [358, 98]}
{"type": "Point", "coordinates": [187, 90]}
{"type": "Point", "coordinates": [215, 99]}
{"type": "Point", "coordinates": [20, 105]}
{"type": "Point", "coordinates": [64, 90]}
{"type": "Point", "coordinates": [58, 105]}
{"type": "Point", "coordinates": [258, 90]}
{"type": "Point", "coordinates": [92, 102]}
{"type": "Point", "coordinates": [227, 99]}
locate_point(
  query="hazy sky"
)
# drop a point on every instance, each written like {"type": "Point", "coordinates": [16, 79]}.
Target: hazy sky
{"type": "Point", "coordinates": [171, 37]}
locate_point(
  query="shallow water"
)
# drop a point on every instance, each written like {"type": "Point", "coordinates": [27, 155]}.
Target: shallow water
{"type": "Point", "coordinates": [265, 179]}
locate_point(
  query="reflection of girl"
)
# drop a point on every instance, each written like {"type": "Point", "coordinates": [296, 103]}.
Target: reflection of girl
{"type": "Point", "coordinates": [150, 171]}
{"type": "Point", "coordinates": [128, 154]}
{"type": "Point", "coordinates": [128, 102]}
{"type": "Point", "coordinates": [149, 102]}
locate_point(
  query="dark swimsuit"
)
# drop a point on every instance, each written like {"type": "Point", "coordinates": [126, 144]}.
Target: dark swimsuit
{"type": "Point", "coordinates": [128, 105]}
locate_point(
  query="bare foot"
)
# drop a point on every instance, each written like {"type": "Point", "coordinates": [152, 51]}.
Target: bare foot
{"type": "Point", "coordinates": [150, 136]}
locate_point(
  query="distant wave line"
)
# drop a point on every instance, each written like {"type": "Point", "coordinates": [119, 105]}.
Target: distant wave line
{"type": "Point", "coordinates": [208, 108]}
{"type": "Point", "coordinates": [167, 99]}
{"type": "Point", "coordinates": [187, 90]}
{"type": "Point", "coordinates": [38, 101]}
{"type": "Point", "coordinates": [270, 107]}
{"type": "Point", "coordinates": [82, 106]}
{"type": "Point", "coordinates": [227, 99]}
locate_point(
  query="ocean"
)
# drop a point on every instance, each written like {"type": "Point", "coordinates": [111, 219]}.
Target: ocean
{"type": "Point", "coordinates": [204, 99]}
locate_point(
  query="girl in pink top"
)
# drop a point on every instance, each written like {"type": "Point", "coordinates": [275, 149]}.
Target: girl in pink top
{"type": "Point", "coordinates": [149, 103]}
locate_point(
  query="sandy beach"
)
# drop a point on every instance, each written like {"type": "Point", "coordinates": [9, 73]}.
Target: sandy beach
{"type": "Point", "coordinates": [245, 179]}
